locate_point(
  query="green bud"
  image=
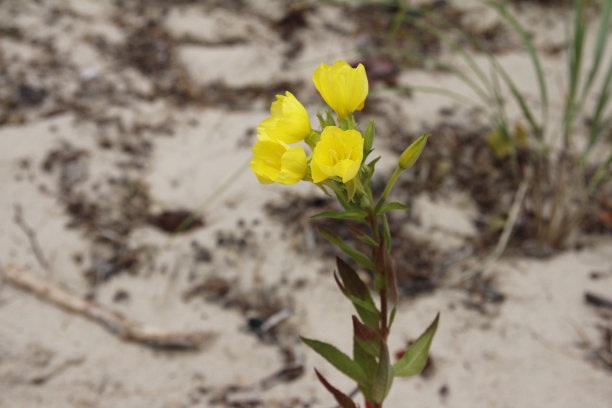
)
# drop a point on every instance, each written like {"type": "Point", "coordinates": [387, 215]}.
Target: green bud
{"type": "Point", "coordinates": [368, 138]}
{"type": "Point", "coordinates": [412, 153]}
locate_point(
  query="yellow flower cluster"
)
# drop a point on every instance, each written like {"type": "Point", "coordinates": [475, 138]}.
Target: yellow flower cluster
{"type": "Point", "coordinates": [337, 153]}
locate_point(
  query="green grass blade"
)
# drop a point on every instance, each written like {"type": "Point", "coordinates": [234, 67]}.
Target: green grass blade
{"type": "Point", "coordinates": [602, 37]}
{"type": "Point", "coordinates": [575, 62]}
{"type": "Point", "coordinates": [448, 41]}
{"type": "Point", "coordinates": [504, 13]}
{"type": "Point", "coordinates": [599, 175]}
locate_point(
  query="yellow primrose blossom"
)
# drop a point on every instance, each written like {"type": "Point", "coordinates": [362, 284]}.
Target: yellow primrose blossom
{"type": "Point", "coordinates": [343, 88]}
{"type": "Point", "coordinates": [289, 122]}
{"type": "Point", "coordinates": [275, 162]}
{"type": "Point", "coordinates": [338, 153]}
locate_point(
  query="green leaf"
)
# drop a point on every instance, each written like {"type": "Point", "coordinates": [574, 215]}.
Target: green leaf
{"type": "Point", "coordinates": [392, 316]}
{"type": "Point", "coordinates": [367, 311]}
{"type": "Point", "coordinates": [338, 359]}
{"type": "Point", "coordinates": [329, 119]}
{"type": "Point", "coordinates": [370, 317]}
{"type": "Point", "coordinates": [372, 164]}
{"type": "Point", "coordinates": [412, 153]}
{"type": "Point", "coordinates": [368, 338]}
{"type": "Point", "coordinates": [353, 287]}
{"type": "Point", "coordinates": [415, 357]}
{"type": "Point", "coordinates": [342, 399]}
{"type": "Point", "coordinates": [363, 236]}
{"type": "Point", "coordinates": [355, 215]}
{"type": "Point", "coordinates": [384, 376]}
{"type": "Point", "coordinates": [392, 206]}
{"type": "Point", "coordinates": [352, 282]}
{"type": "Point", "coordinates": [368, 364]}
{"type": "Point", "coordinates": [367, 305]}
{"type": "Point", "coordinates": [359, 257]}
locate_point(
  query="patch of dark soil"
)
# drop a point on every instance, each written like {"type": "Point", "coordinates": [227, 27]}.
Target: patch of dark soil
{"type": "Point", "coordinates": [221, 95]}
{"type": "Point", "coordinates": [176, 221]}
{"type": "Point", "coordinates": [105, 214]}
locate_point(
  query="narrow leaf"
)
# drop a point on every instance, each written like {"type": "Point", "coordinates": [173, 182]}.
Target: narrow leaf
{"type": "Point", "coordinates": [368, 338]}
{"type": "Point", "coordinates": [392, 206]}
{"type": "Point", "coordinates": [340, 285]}
{"type": "Point", "coordinates": [415, 357]}
{"type": "Point", "coordinates": [342, 399]}
{"type": "Point", "coordinates": [352, 282]}
{"type": "Point", "coordinates": [368, 364]}
{"type": "Point", "coordinates": [366, 314]}
{"type": "Point", "coordinates": [384, 376]}
{"type": "Point", "coordinates": [372, 164]}
{"type": "Point", "coordinates": [356, 215]}
{"type": "Point", "coordinates": [337, 358]}
{"type": "Point", "coordinates": [359, 257]}
{"type": "Point", "coordinates": [392, 317]}
{"type": "Point", "coordinates": [362, 236]}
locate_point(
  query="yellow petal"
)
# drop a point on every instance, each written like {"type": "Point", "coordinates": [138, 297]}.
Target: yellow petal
{"type": "Point", "coordinates": [338, 153]}
{"type": "Point", "coordinates": [294, 166]}
{"type": "Point", "coordinates": [342, 87]}
{"type": "Point", "coordinates": [266, 163]}
{"type": "Point", "coordinates": [289, 122]}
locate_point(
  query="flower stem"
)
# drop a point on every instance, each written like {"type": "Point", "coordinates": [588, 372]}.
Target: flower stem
{"type": "Point", "coordinates": [389, 186]}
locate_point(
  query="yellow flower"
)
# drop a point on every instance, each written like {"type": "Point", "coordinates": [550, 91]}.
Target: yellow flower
{"type": "Point", "coordinates": [338, 153]}
{"type": "Point", "coordinates": [275, 162]}
{"type": "Point", "coordinates": [289, 122]}
{"type": "Point", "coordinates": [342, 87]}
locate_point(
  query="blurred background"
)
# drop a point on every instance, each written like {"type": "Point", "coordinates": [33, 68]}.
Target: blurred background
{"type": "Point", "coordinates": [144, 265]}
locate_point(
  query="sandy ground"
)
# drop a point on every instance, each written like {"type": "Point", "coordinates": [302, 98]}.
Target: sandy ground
{"type": "Point", "coordinates": [116, 116]}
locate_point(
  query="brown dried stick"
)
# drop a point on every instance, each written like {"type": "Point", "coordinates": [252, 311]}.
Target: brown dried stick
{"type": "Point", "coordinates": [114, 321]}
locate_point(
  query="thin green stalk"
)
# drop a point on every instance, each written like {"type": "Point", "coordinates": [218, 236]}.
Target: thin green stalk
{"type": "Point", "coordinates": [503, 11]}
{"type": "Point", "coordinates": [598, 124]}
{"type": "Point", "coordinates": [602, 38]}
{"type": "Point", "coordinates": [389, 186]}
{"type": "Point", "coordinates": [575, 62]}
{"type": "Point", "coordinates": [599, 175]}
{"type": "Point", "coordinates": [453, 44]}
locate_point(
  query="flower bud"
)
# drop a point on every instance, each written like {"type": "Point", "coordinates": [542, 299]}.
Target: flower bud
{"type": "Point", "coordinates": [412, 153]}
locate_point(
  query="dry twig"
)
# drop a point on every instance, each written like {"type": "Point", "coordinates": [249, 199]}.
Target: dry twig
{"type": "Point", "coordinates": [114, 321]}
{"type": "Point", "coordinates": [31, 234]}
